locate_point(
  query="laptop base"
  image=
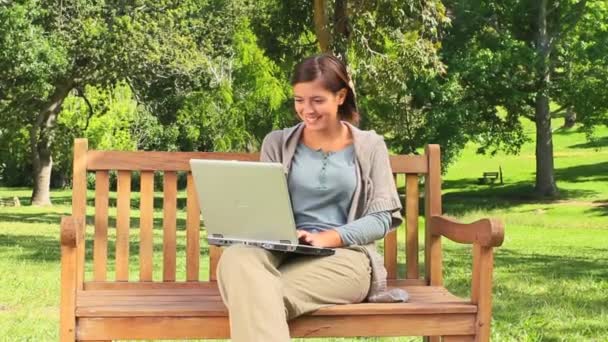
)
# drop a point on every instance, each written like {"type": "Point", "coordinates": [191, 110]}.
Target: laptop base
{"type": "Point", "coordinates": [274, 246]}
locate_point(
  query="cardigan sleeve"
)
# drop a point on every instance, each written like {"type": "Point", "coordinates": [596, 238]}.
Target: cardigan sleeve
{"type": "Point", "coordinates": [271, 147]}
{"type": "Point", "coordinates": [366, 229]}
{"type": "Point", "coordinates": [384, 196]}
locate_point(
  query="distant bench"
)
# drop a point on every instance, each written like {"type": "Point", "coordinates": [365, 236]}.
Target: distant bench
{"type": "Point", "coordinates": [491, 177]}
{"type": "Point", "coordinates": [10, 202]}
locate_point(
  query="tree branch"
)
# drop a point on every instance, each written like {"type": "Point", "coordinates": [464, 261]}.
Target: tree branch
{"type": "Point", "coordinates": [81, 94]}
{"type": "Point", "coordinates": [560, 109]}
{"type": "Point", "coordinates": [571, 20]}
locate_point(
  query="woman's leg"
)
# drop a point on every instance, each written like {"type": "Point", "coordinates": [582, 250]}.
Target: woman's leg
{"type": "Point", "coordinates": [312, 282]}
{"type": "Point", "coordinates": [251, 288]}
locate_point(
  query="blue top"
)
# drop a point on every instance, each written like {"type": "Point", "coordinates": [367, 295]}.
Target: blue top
{"type": "Point", "coordinates": [321, 186]}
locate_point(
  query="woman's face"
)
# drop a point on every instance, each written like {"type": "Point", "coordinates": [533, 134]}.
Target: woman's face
{"type": "Point", "coordinates": [316, 106]}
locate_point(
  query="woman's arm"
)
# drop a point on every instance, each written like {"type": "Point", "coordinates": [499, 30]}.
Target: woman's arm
{"type": "Point", "coordinates": [365, 230]}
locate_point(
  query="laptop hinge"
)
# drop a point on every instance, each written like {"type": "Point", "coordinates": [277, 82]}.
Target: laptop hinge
{"type": "Point", "coordinates": [219, 236]}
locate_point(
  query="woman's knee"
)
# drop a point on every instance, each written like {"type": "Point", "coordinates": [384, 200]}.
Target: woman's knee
{"type": "Point", "coordinates": [241, 260]}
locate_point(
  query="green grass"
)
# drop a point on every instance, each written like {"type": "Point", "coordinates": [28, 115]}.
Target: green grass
{"type": "Point", "coordinates": [551, 274]}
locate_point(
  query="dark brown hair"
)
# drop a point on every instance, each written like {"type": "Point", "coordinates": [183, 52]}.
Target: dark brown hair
{"type": "Point", "coordinates": [332, 72]}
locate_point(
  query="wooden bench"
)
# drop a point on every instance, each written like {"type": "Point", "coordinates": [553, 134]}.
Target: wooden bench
{"type": "Point", "coordinates": [137, 307]}
{"type": "Point", "coordinates": [491, 177]}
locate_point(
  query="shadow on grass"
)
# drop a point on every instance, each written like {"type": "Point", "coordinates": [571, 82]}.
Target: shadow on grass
{"type": "Point", "coordinates": [583, 173]}
{"type": "Point", "coordinates": [500, 197]}
{"type": "Point", "coordinates": [594, 144]}
{"type": "Point", "coordinates": [472, 197]}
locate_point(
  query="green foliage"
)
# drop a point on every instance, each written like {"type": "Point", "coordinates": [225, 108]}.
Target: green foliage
{"type": "Point", "coordinates": [493, 48]}
{"type": "Point", "coordinates": [241, 107]}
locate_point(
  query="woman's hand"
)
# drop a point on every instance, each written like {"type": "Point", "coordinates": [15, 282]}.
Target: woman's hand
{"type": "Point", "coordinates": [326, 238]}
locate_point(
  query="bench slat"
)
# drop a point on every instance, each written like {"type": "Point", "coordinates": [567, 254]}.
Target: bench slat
{"type": "Point", "coordinates": [215, 253]}
{"type": "Point", "coordinates": [411, 214]}
{"type": "Point", "coordinates": [306, 326]}
{"type": "Point", "coordinates": [122, 225]}
{"type": "Point", "coordinates": [423, 300]}
{"type": "Point", "coordinates": [390, 250]}
{"type": "Point", "coordinates": [146, 222]}
{"type": "Point", "coordinates": [193, 224]}
{"type": "Point", "coordinates": [114, 286]}
{"type": "Point", "coordinates": [180, 161]}
{"type": "Point", "coordinates": [169, 221]}
{"type": "Point", "coordinates": [100, 245]}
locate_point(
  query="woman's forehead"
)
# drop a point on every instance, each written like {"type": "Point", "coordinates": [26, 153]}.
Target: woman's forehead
{"type": "Point", "coordinates": [310, 89]}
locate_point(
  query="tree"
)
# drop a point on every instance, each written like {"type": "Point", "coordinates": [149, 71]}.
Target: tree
{"type": "Point", "coordinates": [391, 49]}
{"type": "Point", "coordinates": [521, 56]}
{"type": "Point", "coordinates": [48, 50]}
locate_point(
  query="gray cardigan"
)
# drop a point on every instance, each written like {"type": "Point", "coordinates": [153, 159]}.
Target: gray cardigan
{"type": "Point", "coordinates": [375, 191]}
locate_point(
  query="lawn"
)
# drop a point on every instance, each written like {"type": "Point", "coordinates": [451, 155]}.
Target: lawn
{"type": "Point", "coordinates": [551, 274]}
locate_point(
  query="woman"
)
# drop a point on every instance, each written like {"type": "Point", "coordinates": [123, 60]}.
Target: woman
{"type": "Point", "coordinates": [343, 196]}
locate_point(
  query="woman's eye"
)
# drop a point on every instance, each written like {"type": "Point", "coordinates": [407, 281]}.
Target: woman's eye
{"type": "Point", "coordinates": [319, 101]}
{"type": "Point", "coordinates": [298, 100]}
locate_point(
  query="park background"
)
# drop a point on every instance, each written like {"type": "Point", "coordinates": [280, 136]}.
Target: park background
{"type": "Point", "coordinates": [512, 85]}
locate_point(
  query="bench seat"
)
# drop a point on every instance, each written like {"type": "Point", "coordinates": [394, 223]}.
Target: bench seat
{"type": "Point", "coordinates": [143, 312]}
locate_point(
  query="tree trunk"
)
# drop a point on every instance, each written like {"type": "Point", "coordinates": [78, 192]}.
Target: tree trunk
{"type": "Point", "coordinates": [341, 29]}
{"type": "Point", "coordinates": [320, 19]}
{"type": "Point", "coordinates": [41, 138]}
{"type": "Point", "coordinates": [570, 118]}
{"type": "Point", "coordinates": [545, 179]}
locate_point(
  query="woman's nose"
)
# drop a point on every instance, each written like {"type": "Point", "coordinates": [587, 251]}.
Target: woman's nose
{"type": "Point", "coordinates": [307, 108]}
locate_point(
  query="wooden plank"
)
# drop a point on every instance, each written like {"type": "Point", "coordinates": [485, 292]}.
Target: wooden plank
{"type": "Point", "coordinates": [100, 246]}
{"type": "Point", "coordinates": [381, 325]}
{"type": "Point", "coordinates": [484, 292]}
{"type": "Point", "coordinates": [180, 161]}
{"type": "Point", "coordinates": [433, 262]}
{"type": "Point", "coordinates": [123, 217]}
{"type": "Point", "coordinates": [169, 224]}
{"type": "Point", "coordinates": [216, 307]}
{"type": "Point", "coordinates": [486, 232]}
{"type": "Point", "coordinates": [411, 214]}
{"type": "Point", "coordinates": [145, 300]}
{"type": "Point", "coordinates": [110, 285]}
{"type": "Point", "coordinates": [409, 164]}
{"type": "Point", "coordinates": [475, 274]}
{"type": "Point", "coordinates": [79, 201]}
{"type": "Point", "coordinates": [462, 338]}
{"type": "Point", "coordinates": [146, 222]}
{"type": "Point", "coordinates": [215, 253]}
{"type": "Point", "coordinates": [305, 326]}
{"type": "Point", "coordinates": [390, 251]}
{"type": "Point", "coordinates": [418, 293]}
{"type": "Point", "coordinates": [69, 255]}
{"type": "Point", "coordinates": [156, 161]}
{"type": "Point", "coordinates": [193, 225]}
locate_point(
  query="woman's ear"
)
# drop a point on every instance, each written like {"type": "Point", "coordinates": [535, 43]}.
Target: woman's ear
{"type": "Point", "coordinates": [342, 95]}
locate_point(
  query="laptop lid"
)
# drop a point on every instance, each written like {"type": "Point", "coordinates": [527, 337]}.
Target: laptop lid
{"type": "Point", "coordinates": [244, 200]}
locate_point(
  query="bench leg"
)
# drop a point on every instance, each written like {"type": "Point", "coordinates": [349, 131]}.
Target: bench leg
{"type": "Point", "coordinates": [461, 338]}
{"type": "Point", "coordinates": [432, 339]}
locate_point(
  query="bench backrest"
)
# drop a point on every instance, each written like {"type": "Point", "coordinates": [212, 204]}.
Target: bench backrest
{"type": "Point", "coordinates": [406, 168]}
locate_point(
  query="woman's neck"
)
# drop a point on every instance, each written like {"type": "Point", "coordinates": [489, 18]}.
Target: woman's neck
{"type": "Point", "coordinates": [334, 138]}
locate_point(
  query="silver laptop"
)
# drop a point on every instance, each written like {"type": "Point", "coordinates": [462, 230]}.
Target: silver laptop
{"type": "Point", "coordinates": [248, 203]}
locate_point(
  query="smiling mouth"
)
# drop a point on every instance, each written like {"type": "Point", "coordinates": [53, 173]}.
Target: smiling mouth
{"type": "Point", "coordinates": [311, 118]}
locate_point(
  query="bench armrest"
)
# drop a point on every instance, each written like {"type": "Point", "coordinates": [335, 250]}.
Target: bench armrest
{"type": "Point", "coordinates": [70, 234]}
{"type": "Point", "coordinates": [484, 235]}
{"type": "Point", "coordinates": [485, 232]}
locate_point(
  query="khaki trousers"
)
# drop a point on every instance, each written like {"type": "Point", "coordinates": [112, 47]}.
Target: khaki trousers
{"type": "Point", "coordinates": [263, 289]}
